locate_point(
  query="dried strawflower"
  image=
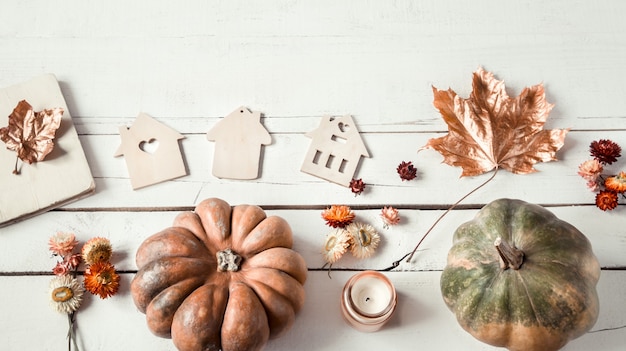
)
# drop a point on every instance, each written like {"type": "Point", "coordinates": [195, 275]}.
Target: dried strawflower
{"type": "Point", "coordinates": [390, 216]}
{"type": "Point", "coordinates": [72, 261]}
{"type": "Point", "coordinates": [338, 216]}
{"type": "Point", "coordinates": [62, 244]}
{"type": "Point", "coordinates": [336, 244]}
{"type": "Point", "coordinates": [364, 239]}
{"type": "Point", "coordinates": [406, 171]}
{"type": "Point", "coordinates": [101, 279]}
{"type": "Point", "coordinates": [616, 183]}
{"type": "Point", "coordinates": [66, 294]}
{"type": "Point", "coordinates": [97, 250]}
{"type": "Point", "coordinates": [605, 151]}
{"type": "Point", "coordinates": [593, 185]}
{"type": "Point", "coordinates": [61, 269]}
{"type": "Point", "coordinates": [606, 200]}
{"type": "Point", "coordinates": [357, 186]}
{"type": "Point", "coordinates": [590, 170]}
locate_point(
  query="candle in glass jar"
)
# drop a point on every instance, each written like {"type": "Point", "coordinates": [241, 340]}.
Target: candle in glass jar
{"type": "Point", "coordinates": [368, 301]}
{"type": "Point", "coordinates": [370, 295]}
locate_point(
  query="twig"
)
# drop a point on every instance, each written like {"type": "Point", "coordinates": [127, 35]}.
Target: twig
{"type": "Point", "coordinates": [447, 211]}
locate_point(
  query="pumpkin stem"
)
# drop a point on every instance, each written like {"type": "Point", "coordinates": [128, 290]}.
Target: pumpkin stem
{"type": "Point", "coordinates": [228, 260]}
{"type": "Point", "coordinates": [511, 256]}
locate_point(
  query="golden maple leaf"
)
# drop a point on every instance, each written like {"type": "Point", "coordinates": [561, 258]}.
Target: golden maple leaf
{"type": "Point", "coordinates": [31, 133]}
{"type": "Point", "coordinates": [490, 130]}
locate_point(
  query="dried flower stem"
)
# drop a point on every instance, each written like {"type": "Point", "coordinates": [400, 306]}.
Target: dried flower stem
{"type": "Point", "coordinates": [71, 334]}
{"type": "Point", "coordinates": [448, 210]}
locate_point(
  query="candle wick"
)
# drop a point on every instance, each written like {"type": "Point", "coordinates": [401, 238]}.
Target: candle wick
{"type": "Point", "coordinates": [367, 299]}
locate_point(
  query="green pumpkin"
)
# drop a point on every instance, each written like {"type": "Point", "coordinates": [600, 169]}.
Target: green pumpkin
{"type": "Point", "coordinates": [519, 277]}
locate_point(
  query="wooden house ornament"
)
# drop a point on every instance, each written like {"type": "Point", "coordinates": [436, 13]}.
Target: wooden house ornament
{"type": "Point", "coordinates": [335, 151]}
{"type": "Point", "coordinates": [238, 139]}
{"type": "Point", "coordinates": [151, 151]}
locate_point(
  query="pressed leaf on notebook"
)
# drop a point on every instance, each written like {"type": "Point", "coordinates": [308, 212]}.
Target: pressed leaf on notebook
{"type": "Point", "coordinates": [30, 134]}
{"type": "Point", "coordinates": [491, 130]}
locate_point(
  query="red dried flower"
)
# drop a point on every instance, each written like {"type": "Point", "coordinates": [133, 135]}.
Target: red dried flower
{"type": "Point", "coordinates": [606, 200]}
{"type": "Point", "coordinates": [407, 171]}
{"type": "Point", "coordinates": [616, 183]}
{"type": "Point", "coordinates": [357, 186]}
{"type": "Point", "coordinates": [101, 279]}
{"type": "Point", "coordinates": [338, 216]}
{"type": "Point", "coordinates": [605, 151]}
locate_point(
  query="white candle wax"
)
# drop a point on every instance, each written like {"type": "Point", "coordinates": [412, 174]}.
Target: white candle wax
{"type": "Point", "coordinates": [371, 295]}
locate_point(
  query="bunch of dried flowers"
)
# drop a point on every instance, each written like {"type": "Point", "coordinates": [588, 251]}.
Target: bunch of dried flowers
{"type": "Point", "coordinates": [66, 292]}
{"type": "Point", "coordinates": [608, 188]}
{"type": "Point", "coordinates": [361, 239]}
{"type": "Point", "coordinates": [100, 276]}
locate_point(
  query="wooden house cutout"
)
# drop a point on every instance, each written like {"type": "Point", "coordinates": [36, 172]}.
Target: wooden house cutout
{"type": "Point", "coordinates": [238, 139]}
{"type": "Point", "coordinates": [335, 150]}
{"type": "Point", "coordinates": [151, 151]}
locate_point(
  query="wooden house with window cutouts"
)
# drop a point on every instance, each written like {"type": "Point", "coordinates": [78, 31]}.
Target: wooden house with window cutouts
{"type": "Point", "coordinates": [335, 151]}
{"type": "Point", "coordinates": [151, 151]}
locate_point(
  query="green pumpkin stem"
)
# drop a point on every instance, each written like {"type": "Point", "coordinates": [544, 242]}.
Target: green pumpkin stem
{"type": "Point", "coordinates": [511, 257]}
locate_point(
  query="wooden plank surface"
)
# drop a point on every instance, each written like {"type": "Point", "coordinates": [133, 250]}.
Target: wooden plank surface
{"type": "Point", "coordinates": [190, 64]}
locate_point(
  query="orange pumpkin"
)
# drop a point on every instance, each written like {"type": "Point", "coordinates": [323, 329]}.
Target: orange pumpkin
{"type": "Point", "coordinates": [221, 278]}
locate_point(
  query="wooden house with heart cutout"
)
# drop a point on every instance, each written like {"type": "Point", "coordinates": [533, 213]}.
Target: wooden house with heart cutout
{"type": "Point", "coordinates": [336, 150]}
{"type": "Point", "coordinates": [151, 151]}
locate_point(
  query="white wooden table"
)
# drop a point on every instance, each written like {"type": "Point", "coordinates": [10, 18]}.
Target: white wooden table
{"type": "Point", "coordinates": [189, 64]}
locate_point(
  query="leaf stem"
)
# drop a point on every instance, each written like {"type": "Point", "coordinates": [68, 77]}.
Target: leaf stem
{"type": "Point", "coordinates": [15, 171]}
{"type": "Point", "coordinates": [448, 210]}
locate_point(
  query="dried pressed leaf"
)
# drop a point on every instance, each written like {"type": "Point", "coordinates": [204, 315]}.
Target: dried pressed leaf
{"type": "Point", "coordinates": [492, 130]}
{"type": "Point", "coordinates": [31, 133]}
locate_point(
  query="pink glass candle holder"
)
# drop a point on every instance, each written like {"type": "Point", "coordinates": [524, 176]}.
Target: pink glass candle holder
{"type": "Point", "coordinates": [368, 301]}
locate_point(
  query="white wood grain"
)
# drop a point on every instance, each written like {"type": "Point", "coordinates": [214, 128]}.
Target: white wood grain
{"type": "Point", "coordinates": [127, 230]}
{"type": "Point", "coordinates": [189, 64]}
{"type": "Point", "coordinates": [420, 321]}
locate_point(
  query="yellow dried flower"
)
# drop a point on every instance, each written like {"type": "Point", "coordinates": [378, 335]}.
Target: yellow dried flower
{"type": "Point", "coordinates": [336, 244]}
{"type": "Point", "coordinates": [97, 250]}
{"type": "Point", "coordinates": [363, 239]}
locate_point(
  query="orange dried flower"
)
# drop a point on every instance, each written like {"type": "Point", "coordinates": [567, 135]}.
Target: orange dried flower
{"type": "Point", "coordinates": [101, 279]}
{"type": "Point", "coordinates": [616, 183]}
{"type": "Point", "coordinates": [606, 200]}
{"type": "Point", "coordinates": [605, 151]}
{"type": "Point", "coordinates": [338, 216]}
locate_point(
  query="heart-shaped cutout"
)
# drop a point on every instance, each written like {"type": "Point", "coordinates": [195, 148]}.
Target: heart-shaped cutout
{"type": "Point", "coordinates": [343, 127]}
{"type": "Point", "coordinates": [149, 146]}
